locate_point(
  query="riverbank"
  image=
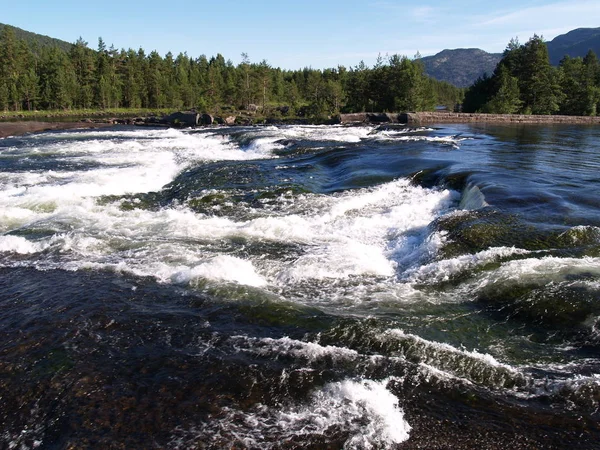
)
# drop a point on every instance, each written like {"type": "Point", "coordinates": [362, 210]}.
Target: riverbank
{"type": "Point", "coordinates": [427, 117]}
{"type": "Point", "coordinates": [16, 128]}
{"type": "Point", "coordinates": [450, 117]}
{"type": "Point", "coordinates": [29, 126]}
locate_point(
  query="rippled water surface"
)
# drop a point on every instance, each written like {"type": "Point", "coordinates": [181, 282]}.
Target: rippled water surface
{"type": "Point", "coordinates": [301, 287]}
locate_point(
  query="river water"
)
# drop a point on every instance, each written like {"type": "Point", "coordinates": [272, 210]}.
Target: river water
{"type": "Point", "coordinates": [301, 287]}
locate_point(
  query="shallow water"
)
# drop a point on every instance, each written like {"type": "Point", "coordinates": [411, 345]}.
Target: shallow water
{"type": "Point", "coordinates": [301, 287]}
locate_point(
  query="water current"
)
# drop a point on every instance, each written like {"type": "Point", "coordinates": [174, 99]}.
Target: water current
{"type": "Point", "coordinates": [301, 287]}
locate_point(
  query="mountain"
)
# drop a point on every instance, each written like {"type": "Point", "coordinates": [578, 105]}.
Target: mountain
{"type": "Point", "coordinates": [38, 40]}
{"type": "Point", "coordinates": [462, 66]}
{"type": "Point", "coordinates": [574, 43]}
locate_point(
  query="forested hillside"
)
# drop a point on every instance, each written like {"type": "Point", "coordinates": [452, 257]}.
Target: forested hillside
{"type": "Point", "coordinates": [34, 40]}
{"type": "Point", "coordinates": [574, 43]}
{"type": "Point", "coordinates": [460, 67]}
{"type": "Point", "coordinates": [48, 77]}
{"type": "Point", "coordinates": [525, 82]}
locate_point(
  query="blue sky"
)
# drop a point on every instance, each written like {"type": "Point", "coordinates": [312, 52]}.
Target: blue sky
{"type": "Point", "coordinates": [296, 34]}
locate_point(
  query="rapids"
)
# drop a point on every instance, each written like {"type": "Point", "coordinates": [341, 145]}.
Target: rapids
{"type": "Point", "coordinates": [301, 287]}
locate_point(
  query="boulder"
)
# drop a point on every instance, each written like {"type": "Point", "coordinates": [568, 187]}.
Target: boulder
{"type": "Point", "coordinates": [187, 119]}
{"type": "Point", "coordinates": [374, 117]}
{"type": "Point", "coordinates": [229, 120]}
{"type": "Point", "coordinates": [206, 119]}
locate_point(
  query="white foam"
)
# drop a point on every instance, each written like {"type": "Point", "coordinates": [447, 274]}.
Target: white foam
{"type": "Point", "coordinates": [339, 260]}
{"type": "Point", "coordinates": [223, 268]}
{"type": "Point", "coordinates": [365, 408]}
{"type": "Point", "coordinates": [298, 349]}
{"type": "Point", "coordinates": [440, 271]}
{"type": "Point", "coordinates": [364, 411]}
{"type": "Point", "coordinates": [18, 244]}
{"type": "Point", "coordinates": [368, 232]}
{"type": "Point", "coordinates": [452, 141]}
{"type": "Point", "coordinates": [359, 233]}
{"type": "Point", "coordinates": [445, 362]}
{"type": "Point", "coordinates": [336, 133]}
{"type": "Point", "coordinates": [487, 359]}
{"type": "Point", "coordinates": [402, 131]}
{"type": "Point", "coordinates": [540, 271]}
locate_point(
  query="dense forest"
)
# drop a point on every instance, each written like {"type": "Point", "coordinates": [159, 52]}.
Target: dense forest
{"type": "Point", "coordinates": [50, 78]}
{"type": "Point", "coordinates": [525, 82]}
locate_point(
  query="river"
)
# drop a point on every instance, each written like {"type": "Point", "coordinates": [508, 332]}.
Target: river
{"type": "Point", "coordinates": [286, 287]}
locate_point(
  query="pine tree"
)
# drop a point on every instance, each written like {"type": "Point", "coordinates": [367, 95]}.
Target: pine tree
{"type": "Point", "coordinates": [580, 95]}
{"type": "Point", "coordinates": [506, 100]}
{"type": "Point", "coordinates": [9, 70]}
{"type": "Point", "coordinates": [83, 62]}
{"type": "Point", "coordinates": [264, 82]}
{"type": "Point", "coordinates": [58, 84]}
{"type": "Point", "coordinates": [246, 90]}
{"type": "Point", "coordinates": [538, 82]}
{"type": "Point", "coordinates": [592, 79]}
{"type": "Point", "coordinates": [358, 88]}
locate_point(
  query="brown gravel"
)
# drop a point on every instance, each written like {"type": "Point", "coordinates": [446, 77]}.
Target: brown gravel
{"type": "Point", "coordinates": [20, 128]}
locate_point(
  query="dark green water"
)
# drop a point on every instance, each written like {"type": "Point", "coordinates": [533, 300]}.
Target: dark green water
{"type": "Point", "coordinates": [301, 287]}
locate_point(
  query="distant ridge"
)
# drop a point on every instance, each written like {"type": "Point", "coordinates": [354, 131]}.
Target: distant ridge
{"type": "Point", "coordinates": [38, 40]}
{"type": "Point", "coordinates": [574, 43]}
{"type": "Point", "coordinates": [462, 66]}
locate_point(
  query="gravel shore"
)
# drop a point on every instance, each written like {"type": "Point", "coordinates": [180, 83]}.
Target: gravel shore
{"type": "Point", "coordinates": [19, 128]}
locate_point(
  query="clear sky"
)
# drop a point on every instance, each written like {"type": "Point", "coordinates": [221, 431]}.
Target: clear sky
{"type": "Point", "coordinates": [293, 34]}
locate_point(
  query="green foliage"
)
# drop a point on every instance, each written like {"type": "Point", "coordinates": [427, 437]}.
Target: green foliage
{"type": "Point", "coordinates": [478, 95]}
{"type": "Point", "coordinates": [525, 82]}
{"type": "Point", "coordinates": [398, 84]}
{"type": "Point", "coordinates": [578, 78]}
{"type": "Point", "coordinates": [506, 100]}
{"type": "Point", "coordinates": [36, 41]}
{"type": "Point", "coordinates": [538, 80]}
{"type": "Point", "coordinates": [81, 78]}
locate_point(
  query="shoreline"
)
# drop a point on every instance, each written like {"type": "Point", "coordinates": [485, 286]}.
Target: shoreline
{"type": "Point", "coordinates": [15, 128]}
{"type": "Point", "coordinates": [19, 128]}
{"type": "Point", "coordinates": [452, 117]}
{"type": "Point", "coordinates": [430, 117]}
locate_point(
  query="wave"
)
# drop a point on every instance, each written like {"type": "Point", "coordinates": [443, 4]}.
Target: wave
{"type": "Point", "coordinates": [359, 414]}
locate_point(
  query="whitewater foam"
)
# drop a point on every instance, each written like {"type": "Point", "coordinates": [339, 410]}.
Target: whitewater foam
{"type": "Point", "coordinates": [364, 411]}
{"type": "Point", "coordinates": [369, 232]}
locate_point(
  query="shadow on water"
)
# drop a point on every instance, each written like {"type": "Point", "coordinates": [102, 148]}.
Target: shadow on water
{"type": "Point", "coordinates": [100, 359]}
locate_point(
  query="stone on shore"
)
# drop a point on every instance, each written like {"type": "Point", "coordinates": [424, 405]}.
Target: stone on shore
{"type": "Point", "coordinates": [206, 119]}
{"type": "Point", "coordinates": [369, 118]}
{"type": "Point", "coordinates": [186, 119]}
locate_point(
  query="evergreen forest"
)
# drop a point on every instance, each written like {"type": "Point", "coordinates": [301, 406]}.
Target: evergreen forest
{"type": "Point", "coordinates": [47, 77]}
{"type": "Point", "coordinates": [37, 77]}
{"type": "Point", "coordinates": [524, 82]}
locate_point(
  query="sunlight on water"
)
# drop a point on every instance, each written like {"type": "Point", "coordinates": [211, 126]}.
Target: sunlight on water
{"type": "Point", "coordinates": [297, 285]}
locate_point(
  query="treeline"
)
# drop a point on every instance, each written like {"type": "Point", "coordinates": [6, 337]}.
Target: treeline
{"type": "Point", "coordinates": [48, 78]}
{"type": "Point", "coordinates": [524, 82]}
